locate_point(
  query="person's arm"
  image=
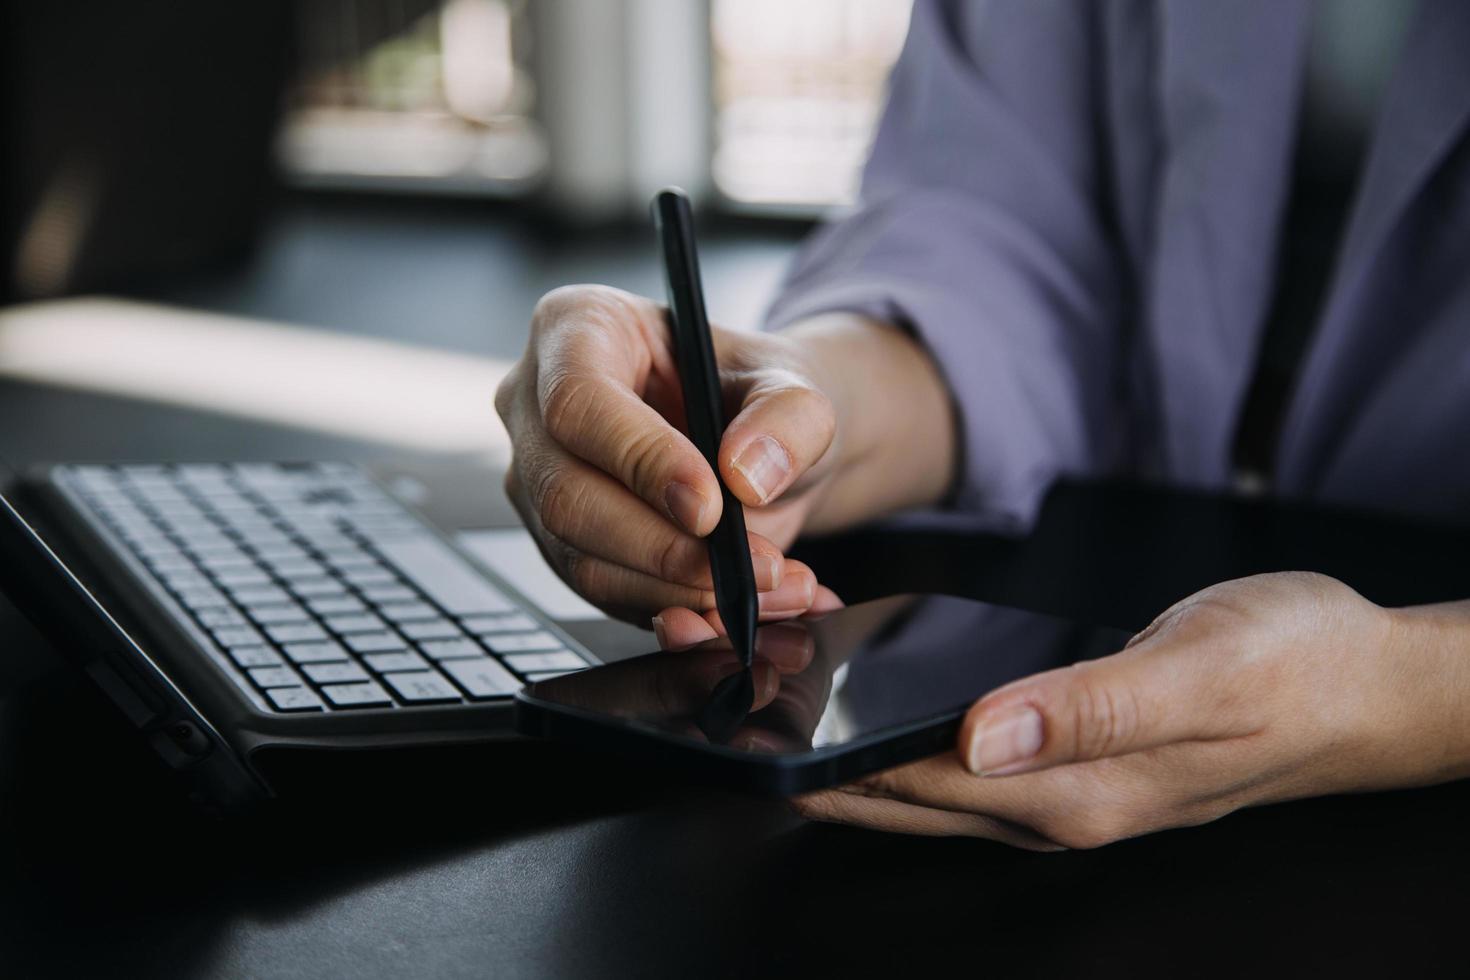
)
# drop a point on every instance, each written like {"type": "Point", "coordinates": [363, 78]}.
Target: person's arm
{"type": "Point", "coordinates": [981, 231]}
{"type": "Point", "coordinates": [977, 243]}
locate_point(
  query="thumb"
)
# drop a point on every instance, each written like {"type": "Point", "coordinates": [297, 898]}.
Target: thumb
{"type": "Point", "coordinates": [783, 428]}
{"type": "Point", "coordinates": [1150, 694]}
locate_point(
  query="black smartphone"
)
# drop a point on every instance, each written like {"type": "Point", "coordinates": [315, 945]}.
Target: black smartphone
{"type": "Point", "coordinates": [825, 700]}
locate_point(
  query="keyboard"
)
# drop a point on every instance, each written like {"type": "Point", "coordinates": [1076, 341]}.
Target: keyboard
{"type": "Point", "coordinates": [326, 593]}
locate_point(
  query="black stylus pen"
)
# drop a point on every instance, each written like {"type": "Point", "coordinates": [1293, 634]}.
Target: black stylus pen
{"type": "Point", "coordinates": [729, 549]}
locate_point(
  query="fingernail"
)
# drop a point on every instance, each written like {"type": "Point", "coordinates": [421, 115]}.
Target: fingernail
{"type": "Point", "coordinates": [767, 571]}
{"type": "Point", "coordinates": [1005, 741]}
{"type": "Point", "coordinates": [793, 596]}
{"type": "Point", "coordinates": [658, 632]}
{"type": "Point", "coordinates": [685, 505]}
{"type": "Point", "coordinates": [764, 464]}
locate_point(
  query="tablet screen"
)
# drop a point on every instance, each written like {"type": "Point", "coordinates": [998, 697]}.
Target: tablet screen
{"type": "Point", "coordinates": [848, 676]}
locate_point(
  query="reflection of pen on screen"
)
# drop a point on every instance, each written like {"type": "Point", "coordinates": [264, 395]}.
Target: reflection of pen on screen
{"type": "Point", "coordinates": [728, 706]}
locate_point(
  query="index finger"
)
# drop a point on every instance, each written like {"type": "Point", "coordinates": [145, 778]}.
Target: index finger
{"type": "Point", "coordinates": [595, 354]}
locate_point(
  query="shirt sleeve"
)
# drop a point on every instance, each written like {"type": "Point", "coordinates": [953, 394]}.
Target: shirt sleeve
{"type": "Point", "coordinates": [979, 228]}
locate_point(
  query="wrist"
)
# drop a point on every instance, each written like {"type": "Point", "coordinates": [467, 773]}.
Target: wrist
{"type": "Point", "coordinates": [831, 347]}
{"type": "Point", "coordinates": [1428, 660]}
{"type": "Point", "coordinates": [894, 447]}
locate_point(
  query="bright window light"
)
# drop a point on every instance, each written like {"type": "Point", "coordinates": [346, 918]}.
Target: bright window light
{"type": "Point", "coordinates": [440, 102]}
{"type": "Point", "coordinates": [798, 89]}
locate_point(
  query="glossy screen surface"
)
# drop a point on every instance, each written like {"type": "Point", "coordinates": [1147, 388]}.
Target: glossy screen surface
{"type": "Point", "coordinates": [849, 676]}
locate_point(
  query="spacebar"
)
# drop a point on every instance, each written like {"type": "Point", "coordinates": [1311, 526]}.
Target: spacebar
{"type": "Point", "coordinates": [442, 575]}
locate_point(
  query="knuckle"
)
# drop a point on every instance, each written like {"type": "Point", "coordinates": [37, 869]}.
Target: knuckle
{"type": "Point", "coordinates": [1093, 829]}
{"type": "Point", "coordinates": [814, 806]}
{"type": "Point", "coordinates": [505, 393]}
{"type": "Point", "coordinates": [557, 302]}
{"type": "Point", "coordinates": [586, 303]}
{"type": "Point", "coordinates": [817, 411]}
{"type": "Point", "coordinates": [643, 457]}
{"type": "Point", "coordinates": [564, 403]}
{"type": "Point", "coordinates": [1105, 716]}
{"type": "Point", "coordinates": [552, 498]}
{"type": "Point", "coordinates": [512, 487]}
{"type": "Point", "coordinates": [800, 398]}
{"type": "Point", "coordinates": [583, 574]}
{"type": "Point", "coordinates": [670, 562]}
{"type": "Point", "coordinates": [882, 784]}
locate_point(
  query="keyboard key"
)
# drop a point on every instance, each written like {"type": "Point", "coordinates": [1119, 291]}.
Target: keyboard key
{"type": "Point", "coordinates": [186, 579]}
{"type": "Point", "coordinates": [311, 653]}
{"type": "Point", "coordinates": [406, 612]}
{"type": "Point", "coordinates": [370, 575]}
{"type": "Point", "coordinates": [291, 613]}
{"type": "Point", "coordinates": [531, 663]}
{"type": "Point", "coordinates": [335, 673]}
{"type": "Point", "coordinates": [237, 636]}
{"type": "Point", "coordinates": [364, 623]}
{"type": "Point", "coordinates": [166, 560]}
{"type": "Point", "coordinates": [374, 642]}
{"type": "Point", "coordinates": [512, 623]}
{"type": "Point", "coordinates": [223, 559]}
{"type": "Point", "coordinates": [262, 537]}
{"type": "Point", "coordinates": [274, 677]}
{"type": "Point", "coordinates": [252, 595]}
{"type": "Point", "coordinates": [385, 663]}
{"type": "Point", "coordinates": [254, 656]}
{"type": "Point", "coordinates": [294, 699]}
{"type": "Point", "coordinates": [197, 599]}
{"type": "Point", "coordinates": [328, 542]}
{"type": "Point", "coordinates": [222, 616]}
{"type": "Point", "coordinates": [482, 677]}
{"type": "Point", "coordinates": [345, 558]}
{"type": "Point", "coordinates": [430, 629]}
{"type": "Point", "coordinates": [443, 576]}
{"type": "Point", "coordinates": [335, 605]}
{"type": "Point", "coordinates": [518, 642]}
{"type": "Point", "coordinates": [202, 475]}
{"type": "Point", "coordinates": [316, 588]}
{"type": "Point", "coordinates": [389, 593]}
{"type": "Point", "coordinates": [242, 577]}
{"type": "Point", "coordinates": [297, 568]}
{"type": "Point", "coordinates": [210, 545]}
{"type": "Point", "coordinates": [422, 686]}
{"type": "Point", "coordinates": [450, 649]}
{"type": "Point", "coordinates": [364, 695]}
{"type": "Point", "coordinates": [283, 551]}
{"type": "Point", "coordinates": [296, 632]}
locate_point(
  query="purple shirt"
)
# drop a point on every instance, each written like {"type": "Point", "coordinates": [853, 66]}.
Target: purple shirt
{"type": "Point", "coordinates": [1077, 207]}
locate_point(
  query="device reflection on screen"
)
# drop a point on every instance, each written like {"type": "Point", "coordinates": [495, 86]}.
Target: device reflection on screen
{"type": "Point", "coordinates": [828, 681]}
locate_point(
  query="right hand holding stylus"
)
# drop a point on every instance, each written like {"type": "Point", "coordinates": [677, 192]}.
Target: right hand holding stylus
{"type": "Point", "coordinates": [617, 496]}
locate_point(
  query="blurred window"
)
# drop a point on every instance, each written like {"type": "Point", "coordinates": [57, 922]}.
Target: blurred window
{"type": "Point", "coordinates": [399, 95]}
{"type": "Point", "coordinates": [798, 87]}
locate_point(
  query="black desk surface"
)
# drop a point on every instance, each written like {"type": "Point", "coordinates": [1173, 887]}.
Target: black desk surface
{"type": "Point", "coordinates": [542, 863]}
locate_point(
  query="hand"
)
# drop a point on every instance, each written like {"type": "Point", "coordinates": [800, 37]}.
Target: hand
{"type": "Point", "coordinates": [617, 496]}
{"type": "Point", "coordinates": [679, 629]}
{"type": "Point", "coordinates": [1263, 689]}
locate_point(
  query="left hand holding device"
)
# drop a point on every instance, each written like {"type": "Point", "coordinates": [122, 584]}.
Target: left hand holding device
{"type": "Point", "coordinates": [1258, 690]}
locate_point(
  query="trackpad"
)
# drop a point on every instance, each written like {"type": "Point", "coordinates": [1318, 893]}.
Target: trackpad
{"type": "Point", "coordinates": [512, 554]}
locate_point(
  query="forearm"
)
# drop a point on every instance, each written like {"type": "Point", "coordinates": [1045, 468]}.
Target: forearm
{"type": "Point", "coordinates": [896, 444]}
